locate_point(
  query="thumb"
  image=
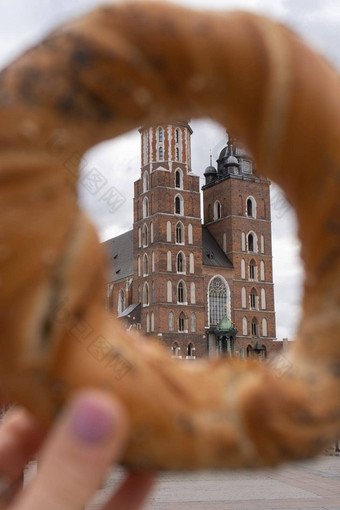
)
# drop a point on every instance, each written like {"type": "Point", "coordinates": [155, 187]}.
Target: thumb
{"type": "Point", "coordinates": [85, 442]}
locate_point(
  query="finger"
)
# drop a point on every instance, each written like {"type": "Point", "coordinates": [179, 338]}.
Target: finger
{"type": "Point", "coordinates": [20, 437]}
{"type": "Point", "coordinates": [77, 454]}
{"type": "Point", "coordinates": [133, 492]}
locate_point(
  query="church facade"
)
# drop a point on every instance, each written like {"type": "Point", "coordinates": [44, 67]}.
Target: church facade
{"type": "Point", "coordinates": [203, 289]}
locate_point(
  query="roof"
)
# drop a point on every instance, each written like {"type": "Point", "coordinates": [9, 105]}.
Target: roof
{"type": "Point", "coordinates": [225, 324]}
{"type": "Point", "coordinates": [120, 254]}
{"type": "Point", "coordinates": [129, 310]}
{"type": "Point", "coordinates": [212, 254]}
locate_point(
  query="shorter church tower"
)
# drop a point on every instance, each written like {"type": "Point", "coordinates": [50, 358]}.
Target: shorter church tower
{"type": "Point", "coordinates": [237, 214]}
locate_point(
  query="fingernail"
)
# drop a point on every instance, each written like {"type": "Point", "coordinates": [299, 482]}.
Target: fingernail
{"type": "Point", "coordinates": [92, 421]}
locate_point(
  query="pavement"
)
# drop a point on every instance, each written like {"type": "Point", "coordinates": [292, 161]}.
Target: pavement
{"type": "Point", "coordinates": [313, 485]}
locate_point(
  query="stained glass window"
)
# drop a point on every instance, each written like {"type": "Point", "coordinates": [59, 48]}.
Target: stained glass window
{"type": "Point", "coordinates": [217, 300]}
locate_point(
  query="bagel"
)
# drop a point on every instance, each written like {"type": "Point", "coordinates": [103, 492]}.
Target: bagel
{"type": "Point", "coordinates": [96, 77]}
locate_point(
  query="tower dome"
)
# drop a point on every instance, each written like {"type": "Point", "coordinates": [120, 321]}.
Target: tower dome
{"type": "Point", "coordinates": [210, 172]}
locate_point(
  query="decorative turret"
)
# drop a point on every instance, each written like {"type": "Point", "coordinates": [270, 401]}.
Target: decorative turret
{"type": "Point", "coordinates": [210, 172]}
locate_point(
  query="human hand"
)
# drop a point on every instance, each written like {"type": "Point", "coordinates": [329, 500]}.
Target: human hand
{"type": "Point", "coordinates": [73, 457]}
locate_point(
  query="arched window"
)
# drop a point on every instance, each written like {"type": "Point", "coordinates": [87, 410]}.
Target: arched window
{"type": "Point", "coordinates": [175, 350]}
{"type": "Point", "coordinates": [160, 135]}
{"type": "Point", "coordinates": [180, 263]}
{"type": "Point", "coordinates": [177, 135]}
{"type": "Point", "coordinates": [190, 238]}
{"type": "Point", "coordinates": [145, 207]}
{"type": "Point", "coordinates": [217, 210]}
{"type": "Point", "coordinates": [263, 299]}
{"type": "Point", "coordinates": [168, 231]}
{"type": "Point", "coordinates": [264, 327]}
{"type": "Point", "coordinates": [169, 292]}
{"type": "Point", "coordinates": [262, 244]}
{"type": "Point", "coordinates": [145, 181]}
{"type": "Point", "coordinates": [121, 301]}
{"type": "Point", "coordinates": [262, 273]}
{"type": "Point", "coordinates": [152, 292]}
{"type": "Point", "coordinates": [147, 323]}
{"type": "Point", "coordinates": [252, 270]}
{"type": "Point", "coordinates": [244, 326]}
{"type": "Point", "coordinates": [191, 350]}
{"type": "Point", "coordinates": [182, 322]}
{"type": "Point", "coordinates": [243, 241]}
{"type": "Point", "coordinates": [169, 261]}
{"type": "Point", "coordinates": [249, 351]}
{"type": "Point", "coordinates": [160, 154]}
{"type": "Point", "coordinates": [253, 299]}
{"type": "Point", "coordinates": [145, 235]}
{"type": "Point", "coordinates": [138, 265]}
{"type": "Point", "coordinates": [219, 300]}
{"type": "Point", "coordinates": [177, 154]}
{"type": "Point", "coordinates": [139, 294]}
{"type": "Point", "coordinates": [254, 327]}
{"type": "Point", "coordinates": [151, 232]}
{"type": "Point", "coordinates": [145, 294]}
{"type": "Point", "coordinates": [171, 321]}
{"type": "Point", "coordinates": [153, 261]}
{"type": "Point", "coordinates": [243, 269]}
{"type": "Point", "coordinates": [179, 205]}
{"type": "Point", "coordinates": [139, 237]}
{"type": "Point", "coordinates": [152, 321]}
{"type": "Point", "coordinates": [192, 324]}
{"type": "Point", "coordinates": [252, 247]}
{"type": "Point", "coordinates": [225, 243]}
{"type": "Point", "coordinates": [192, 263]}
{"type": "Point", "coordinates": [193, 293]}
{"type": "Point", "coordinates": [179, 179]}
{"type": "Point", "coordinates": [145, 265]}
{"type": "Point", "coordinates": [179, 233]}
{"type": "Point", "coordinates": [251, 207]}
{"type": "Point", "coordinates": [181, 292]}
{"type": "Point", "coordinates": [244, 297]}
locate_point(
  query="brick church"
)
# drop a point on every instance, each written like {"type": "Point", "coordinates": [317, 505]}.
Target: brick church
{"type": "Point", "coordinates": [202, 289]}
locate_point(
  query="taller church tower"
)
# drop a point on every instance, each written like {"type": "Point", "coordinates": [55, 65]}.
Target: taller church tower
{"type": "Point", "coordinates": [167, 238]}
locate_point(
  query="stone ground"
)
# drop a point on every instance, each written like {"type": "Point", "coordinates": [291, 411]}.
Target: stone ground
{"type": "Point", "coordinates": [313, 485]}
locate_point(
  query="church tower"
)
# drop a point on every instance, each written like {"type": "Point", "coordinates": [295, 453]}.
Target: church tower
{"type": "Point", "coordinates": [167, 239]}
{"type": "Point", "coordinates": [237, 214]}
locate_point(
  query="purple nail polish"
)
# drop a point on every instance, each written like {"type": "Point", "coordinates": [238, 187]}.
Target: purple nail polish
{"type": "Point", "coordinates": [91, 421]}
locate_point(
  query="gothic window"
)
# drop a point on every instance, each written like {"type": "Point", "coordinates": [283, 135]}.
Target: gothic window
{"type": "Point", "coordinates": [178, 179]}
{"type": "Point", "coordinates": [262, 244]}
{"type": "Point", "coordinates": [139, 237]}
{"type": "Point", "coordinates": [152, 322]}
{"type": "Point", "coordinates": [147, 323]}
{"type": "Point", "coordinates": [139, 294]}
{"type": "Point", "coordinates": [244, 326]}
{"type": "Point", "coordinates": [262, 271]}
{"type": "Point", "coordinates": [217, 210]}
{"type": "Point", "coordinates": [181, 263]}
{"type": "Point", "coordinates": [251, 242]}
{"type": "Point", "coordinates": [121, 301]}
{"type": "Point", "coordinates": [145, 265]}
{"type": "Point", "coordinates": [171, 321]}
{"type": "Point", "coordinates": [252, 270]}
{"type": "Point", "coordinates": [153, 261]}
{"type": "Point", "coordinates": [218, 300]}
{"type": "Point", "coordinates": [193, 324]}
{"type": "Point", "coordinates": [160, 154]}
{"type": "Point", "coordinates": [169, 261]}
{"type": "Point", "coordinates": [138, 265]}
{"type": "Point", "coordinates": [146, 294]}
{"type": "Point", "coordinates": [145, 181]}
{"type": "Point", "coordinates": [192, 263]}
{"type": "Point", "coordinates": [243, 269]}
{"type": "Point", "coordinates": [175, 350]}
{"type": "Point", "coordinates": [160, 135]}
{"type": "Point", "coordinates": [181, 322]}
{"type": "Point", "coordinates": [168, 231]}
{"type": "Point", "coordinates": [253, 299]}
{"type": "Point", "coordinates": [179, 233]}
{"type": "Point", "coordinates": [193, 293]}
{"type": "Point", "coordinates": [179, 204]}
{"type": "Point", "coordinates": [190, 238]}
{"type": "Point", "coordinates": [249, 351]}
{"type": "Point", "coordinates": [263, 299]}
{"type": "Point", "coordinates": [151, 232]}
{"type": "Point", "coordinates": [177, 135]}
{"type": "Point", "coordinates": [243, 241]}
{"type": "Point", "coordinates": [181, 292]}
{"type": "Point", "coordinates": [145, 235]}
{"type": "Point", "coordinates": [251, 207]}
{"type": "Point", "coordinates": [177, 154]}
{"type": "Point", "coordinates": [152, 292]}
{"type": "Point", "coordinates": [225, 243]}
{"type": "Point", "coordinates": [244, 297]}
{"type": "Point", "coordinates": [145, 207]}
{"type": "Point", "coordinates": [169, 291]}
{"type": "Point", "coordinates": [264, 327]}
{"type": "Point", "coordinates": [254, 327]}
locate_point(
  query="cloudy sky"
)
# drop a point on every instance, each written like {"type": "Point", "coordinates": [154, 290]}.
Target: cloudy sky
{"type": "Point", "coordinates": [24, 22]}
